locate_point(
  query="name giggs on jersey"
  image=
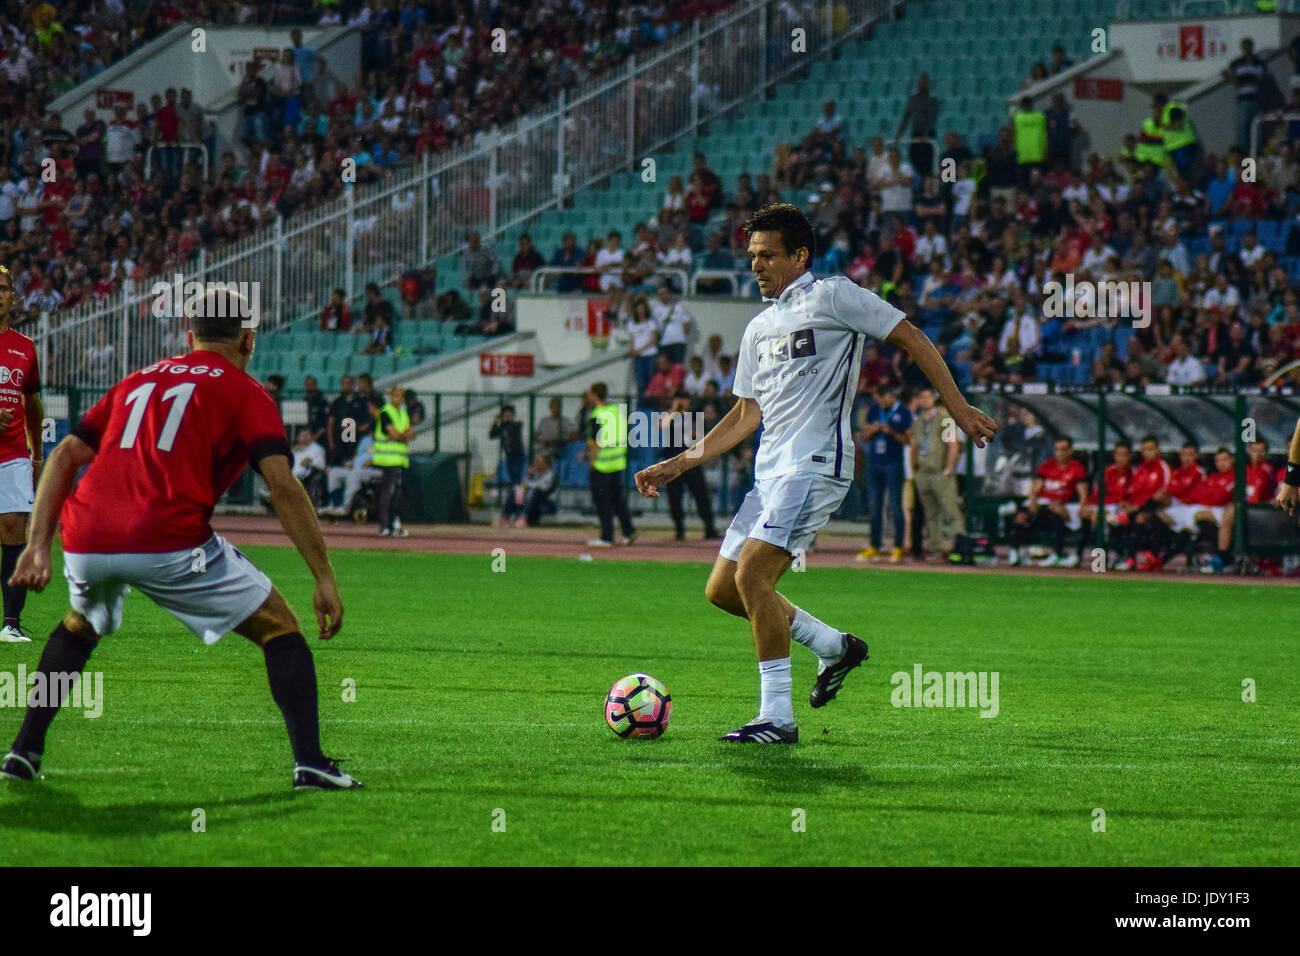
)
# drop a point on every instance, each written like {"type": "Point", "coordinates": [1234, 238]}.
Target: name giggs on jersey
{"type": "Point", "coordinates": [208, 370]}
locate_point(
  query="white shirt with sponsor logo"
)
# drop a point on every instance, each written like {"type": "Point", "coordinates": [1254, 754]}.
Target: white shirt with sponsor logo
{"type": "Point", "coordinates": [799, 359]}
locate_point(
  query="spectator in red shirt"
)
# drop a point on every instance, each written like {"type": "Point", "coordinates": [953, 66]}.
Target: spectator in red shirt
{"type": "Point", "coordinates": [336, 317]}
{"type": "Point", "coordinates": [1176, 503]}
{"type": "Point", "coordinates": [167, 121]}
{"type": "Point", "coordinates": [1214, 515]}
{"type": "Point", "coordinates": [526, 261]}
{"type": "Point", "coordinates": [698, 200]}
{"type": "Point", "coordinates": [666, 382]}
{"type": "Point", "coordinates": [1058, 481]}
{"type": "Point", "coordinates": [1261, 478]}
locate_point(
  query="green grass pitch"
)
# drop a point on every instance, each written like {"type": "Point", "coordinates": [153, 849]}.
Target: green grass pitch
{"type": "Point", "coordinates": [479, 701]}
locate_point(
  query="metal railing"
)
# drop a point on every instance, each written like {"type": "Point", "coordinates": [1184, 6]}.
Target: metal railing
{"type": "Point", "coordinates": [203, 154]}
{"type": "Point", "coordinates": [501, 179]}
{"type": "Point", "coordinates": [540, 275]}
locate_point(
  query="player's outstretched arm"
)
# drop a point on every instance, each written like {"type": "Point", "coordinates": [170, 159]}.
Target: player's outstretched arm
{"type": "Point", "coordinates": [733, 428]}
{"type": "Point", "coordinates": [1287, 493]}
{"type": "Point", "coordinates": [294, 509]}
{"type": "Point", "coordinates": [33, 568]}
{"type": "Point", "coordinates": [968, 418]}
{"type": "Point", "coordinates": [34, 421]}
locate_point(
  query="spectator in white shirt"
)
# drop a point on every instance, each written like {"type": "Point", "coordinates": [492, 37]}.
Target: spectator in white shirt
{"type": "Point", "coordinates": [1184, 370]}
{"type": "Point", "coordinates": [677, 255]}
{"type": "Point", "coordinates": [1251, 250]}
{"type": "Point", "coordinates": [695, 378]}
{"type": "Point", "coordinates": [609, 263]}
{"type": "Point", "coordinates": [1222, 296]}
{"type": "Point", "coordinates": [1020, 322]}
{"type": "Point", "coordinates": [1097, 255]}
{"type": "Point", "coordinates": [674, 323]}
{"type": "Point", "coordinates": [932, 245]}
{"type": "Point", "coordinates": [894, 183]}
{"type": "Point", "coordinates": [308, 455]}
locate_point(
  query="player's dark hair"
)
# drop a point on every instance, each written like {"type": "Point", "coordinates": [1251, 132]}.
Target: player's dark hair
{"type": "Point", "coordinates": [1124, 443]}
{"type": "Point", "coordinates": [219, 314]}
{"type": "Point", "coordinates": [787, 219]}
{"type": "Point", "coordinates": [600, 390]}
{"type": "Point", "coordinates": [1152, 439]}
{"type": "Point", "coordinates": [1190, 444]}
{"type": "Point", "coordinates": [507, 408]}
{"type": "Point", "coordinates": [1222, 451]}
{"type": "Point", "coordinates": [1066, 439]}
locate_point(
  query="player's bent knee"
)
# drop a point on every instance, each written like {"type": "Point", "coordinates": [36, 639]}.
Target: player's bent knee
{"type": "Point", "coordinates": [273, 619]}
{"type": "Point", "coordinates": [79, 627]}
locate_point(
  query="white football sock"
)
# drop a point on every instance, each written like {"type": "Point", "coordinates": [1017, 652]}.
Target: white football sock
{"type": "Point", "coordinates": [775, 686]}
{"type": "Point", "coordinates": [822, 639]}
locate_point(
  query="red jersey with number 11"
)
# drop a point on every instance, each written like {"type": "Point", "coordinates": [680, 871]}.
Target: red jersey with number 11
{"type": "Point", "coordinates": [19, 376]}
{"type": "Point", "coordinates": [169, 441]}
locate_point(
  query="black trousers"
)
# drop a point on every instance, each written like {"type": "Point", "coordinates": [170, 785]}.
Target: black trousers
{"type": "Point", "coordinates": [607, 496]}
{"type": "Point", "coordinates": [693, 481]}
{"type": "Point", "coordinates": [390, 489]}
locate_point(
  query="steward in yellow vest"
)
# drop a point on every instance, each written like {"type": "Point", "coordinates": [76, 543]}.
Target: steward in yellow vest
{"type": "Point", "coordinates": [1030, 128]}
{"type": "Point", "coordinates": [1151, 138]}
{"type": "Point", "coordinates": [393, 434]}
{"type": "Point", "coordinates": [607, 456]}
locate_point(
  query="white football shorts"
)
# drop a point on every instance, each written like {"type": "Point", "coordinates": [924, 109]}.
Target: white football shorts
{"type": "Point", "coordinates": [211, 589]}
{"type": "Point", "coordinates": [16, 486]}
{"type": "Point", "coordinates": [786, 511]}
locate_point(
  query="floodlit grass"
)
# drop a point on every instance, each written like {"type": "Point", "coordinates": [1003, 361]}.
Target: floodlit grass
{"type": "Point", "coordinates": [479, 699]}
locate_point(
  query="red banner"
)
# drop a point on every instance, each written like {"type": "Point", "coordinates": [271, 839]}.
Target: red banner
{"type": "Point", "coordinates": [107, 99]}
{"type": "Point", "coordinates": [1097, 88]}
{"type": "Point", "coordinates": [500, 363]}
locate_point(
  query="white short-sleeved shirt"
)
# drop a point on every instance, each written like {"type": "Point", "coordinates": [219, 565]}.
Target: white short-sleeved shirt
{"type": "Point", "coordinates": [799, 359]}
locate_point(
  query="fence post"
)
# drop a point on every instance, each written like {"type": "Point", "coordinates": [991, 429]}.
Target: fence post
{"type": "Point", "coordinates": [424, 256]}
{"type": "Point", "coordinates": [560, 159]}
{"type": "Point", "coordinates": [1239, 492]}
{"type": "Point", "coordinates": [437, 421]}
{"type": "Point", "coordinates": [695, 78]}
{"type": "Point", "coordinates": [349, 280]}
{"type": "Point", "coordinates": [1099, 525]}
{"type": "Point", "coordinates": [494, 171]}
{"type": "Point", "coordinates": [277, 302]}
{"type": "Point", "coordinates": [126, 334]}
{"type": "Point", "coordinates": [631, 110]}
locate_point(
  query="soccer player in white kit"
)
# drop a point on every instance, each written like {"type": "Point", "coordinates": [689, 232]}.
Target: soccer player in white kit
{"type": "Point", "coordinates": [797, 372]}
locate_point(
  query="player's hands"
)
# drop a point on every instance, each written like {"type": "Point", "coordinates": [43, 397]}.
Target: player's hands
{"type": "Point", "coordinates": [649, 480]}
{"type": "Point", "coordinates": [1287, 496]}
{"type": "Point", "coordinates": [6, 416]}
{"type": "Point", "coordinates": [32, 571]}
{"type": "Point", "coordinates": [329, 609]}
{"type": "Point", "coordinates": [974, 423]}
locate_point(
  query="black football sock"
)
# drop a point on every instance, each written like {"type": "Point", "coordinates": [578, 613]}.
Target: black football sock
{"type": "Point", "coordinates": [14, 598]}
{"type": "Point", "coordinates": [1180, 544]}
{"type": "Point", "coordinates": [1058, 535]}
{"type": "Point", "coordinates": [64, 653]}
{"type": "Point", "coordinates": [1226, 557]}
{"type": "Point", "coordinates": [1207, 535]}
{"type": "Point", "coordinates": [292, 674]}
{"type": "Point", "coordinates": [1085, 536]}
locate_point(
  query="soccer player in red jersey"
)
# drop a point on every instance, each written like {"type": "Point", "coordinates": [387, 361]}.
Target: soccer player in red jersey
{"type": "Point", "coordinates": [161, 448]}
{"type": "Point", "coordinates": [1177, 511]}
{"type": "Point", "coordinates": [1149, 534]}
{"type": "Point", "coordinates": [1261, 479]}
{"type": "Point", "coordinates": [1214, 512]}
{"type": "Point", "coordinates": [1118, 478]}
{"type": "Point", "coordinates": [1057, 482]}
{"type": "Point", "coordinates": [21, 454]}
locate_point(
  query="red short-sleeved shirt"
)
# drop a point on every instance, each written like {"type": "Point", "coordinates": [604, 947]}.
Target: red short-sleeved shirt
{"type": "Point", "coordinates": [1117, 485]}
{"type": "Point", "coordinates": [1149, 479]}
{"type": "Point", "coordinates": [1184, 482]}
{"type": "Point", "coordinates": [1060, 482]}
{"type": "Point", "coordinates": [19, 375]}
{"type": "Point", "coordinates": [169, 441]}
{"type": "Point", "coordinates": [1261, 483]}
{"type": "Point", "coordinates": [1216, 489]}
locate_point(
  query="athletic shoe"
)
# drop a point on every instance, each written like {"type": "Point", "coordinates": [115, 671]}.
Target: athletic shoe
{"type": "Point", "coordinates": [20, 766]}
{"type": "Point", "coordinates": [1051, 561]}
{"type": "Point", "coordinates": [867, 554]}
{"type": "Point", "coordinates": [1128, 564]}
{"type": "Point", "coordinates": [400, 533]}
{"type": "Point", "coordinates": [830, 678]}
{"type": "Point", "coordinates": [760, 731]}
{"type": "Point", "coordinates": [600, 543]}
{"type": "Point", "coordinates": [1213, 566]}
{"type": "Point", "coordinates": [630, 539]}
{"type": "Point", "coordinates": [895, 555]}
{"type": "Point", "coordinates": [385, 533]}
{"type": "Point", "coordinates": [328, 777]}
{"type": "Point", "coordinates": [1147, 561]}
{"type": "Point", "coordinates": [1013, 557]}
{"type": "Point", "coordinates": [1071, 561]}
{"type": "Point", "coordinates": [13, 634]}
